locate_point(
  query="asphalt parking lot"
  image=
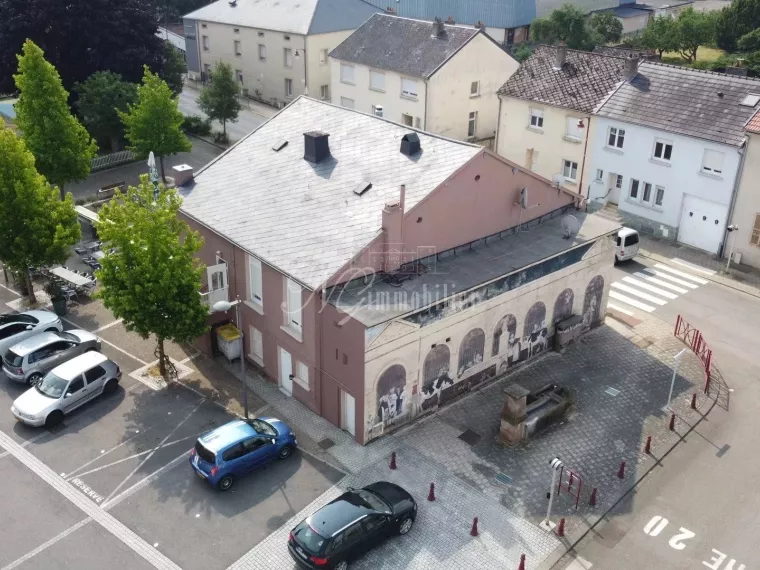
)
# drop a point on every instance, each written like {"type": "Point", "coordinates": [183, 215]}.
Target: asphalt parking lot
{"type": "Point", "coordinates": [127, 454]}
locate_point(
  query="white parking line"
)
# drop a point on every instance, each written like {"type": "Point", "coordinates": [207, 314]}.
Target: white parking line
{"type": "Point", "coordinates": [579, 564]}
{"type": "Point", "coordinates": [112, 345]}
{"type": "Point", "coordinates": [669, 277]}
{"type": "Point", "coordinates": [648, 287]}
{"type": "Point", "coordinates": [637, 293]}
{"type": "Point", "coordinates": [73, 473]}
{"type": "Point", "coordinates": [681, 273]}
{"type": "Point", "coordinates": [47, 544]}
{"type": "Point", "coordinates": [108, 326]}
{"type": "Point", "coordinates": [693, 267]}
{"type": "Point", "coordinates": [661, 283]}
{"type": "Point", "coordinates": [631, 302]}
{"type": "Point", "coordinates": [620, 309]}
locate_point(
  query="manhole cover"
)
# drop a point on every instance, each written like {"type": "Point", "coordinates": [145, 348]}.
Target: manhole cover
{"type": "Point", "coordinates": [326, 443]}
{"type": "Point", "coordinates": [469, 437]}
{"type": "Point", "coordinates": [612, 391]}
{"type": "Point", "coordinates": [504, 478]}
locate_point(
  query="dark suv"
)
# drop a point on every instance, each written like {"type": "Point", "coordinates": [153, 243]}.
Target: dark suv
{"type": "Point", "coordinates": [352, 524]}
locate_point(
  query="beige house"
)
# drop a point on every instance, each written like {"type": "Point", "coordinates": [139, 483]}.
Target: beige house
{"type": "Point", "coordinates": [746, 209]}
{"type": "Point", "coordinates": [545, 111]}
{"type": "Point", "coordinates": [277, 48]}
{"type": "Point", "coordinates": [437, 77]}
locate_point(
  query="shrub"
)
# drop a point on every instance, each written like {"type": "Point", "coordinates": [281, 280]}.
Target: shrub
{"type": "Point", "coordinates": [221, 138]}
{"type": "Point", "coordinates": [522, 52]}
{"type": "Point", "coordinates": [80, 202]}
{"type": "Point", "coordinates": [195, 125]}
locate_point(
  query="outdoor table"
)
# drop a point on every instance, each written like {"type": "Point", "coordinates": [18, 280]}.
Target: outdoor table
{"type": "Point", "coordinates": [70, 276]}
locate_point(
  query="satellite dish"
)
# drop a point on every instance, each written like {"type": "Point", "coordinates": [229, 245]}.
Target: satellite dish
{"type": "Point", "coordinates": [570, 226]}
{"type": "Point", "coordinates": [558, 179]}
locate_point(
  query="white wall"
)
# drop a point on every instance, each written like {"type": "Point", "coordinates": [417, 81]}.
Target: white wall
{"type": "Point", "coordinates": [747, 207]}
{"type": "Point", "coordinates": [680, 177]}
{"type": "Point", "coordinates": [319, 73]}
{"type": "Point", "coordinates": [393, 103]}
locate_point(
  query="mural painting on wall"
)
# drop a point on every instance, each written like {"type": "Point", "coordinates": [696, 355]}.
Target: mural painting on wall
{"type": "Point", "coordinates": [563, 306]}
{"type": "Point", "coordinates": [535, 332]}
{"type": "Point", "coordinates": [592, 302]}
{"type": "Point", "coordinates": [505, 342]}
{"type": "Point", "coordinates": [435, 376]}
{"type": "Point", "coordinates": [392, 397]}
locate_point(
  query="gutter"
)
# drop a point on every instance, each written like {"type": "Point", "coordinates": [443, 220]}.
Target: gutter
{"type": "Point", "coordinates": [583, 162]}
{"type": "Point", "coordinates": [737, 181]}
{"type": "Point", "coordinates": [424, 118]}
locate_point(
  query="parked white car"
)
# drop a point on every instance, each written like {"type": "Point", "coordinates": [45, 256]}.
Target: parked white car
{"type": "Point", "coordinates": [15, 327]}
{"type": "Point", "coordinates": [66, 388]}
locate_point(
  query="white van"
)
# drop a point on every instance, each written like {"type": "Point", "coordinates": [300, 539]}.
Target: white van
{"type": "Point", "coordinates": [626, 245]}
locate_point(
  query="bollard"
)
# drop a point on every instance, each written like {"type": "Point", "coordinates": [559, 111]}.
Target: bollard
{"type": "Point", "coordinates": [431, 494]}
{"type": "Point", "coordinates": [707, 381]}
{"type": "Point", "coordinates": [621, 470]}
{"type": "Point", "coordinates": [474, 530]}
{"type": "Point", "coordinates": [694, 401]}
{"type": "Point", "coordinates": [592, 499]}
{"type": "Point", "coordinates": [648, 445]}
{"type": "Point", "coordinates": [561, 528]}
{"type": "Point", "coordinates": [522, 562]}
{"type": "Point", "coordinates": [393, 460]}
{"type": "Point", "coordinates": [672, 424]}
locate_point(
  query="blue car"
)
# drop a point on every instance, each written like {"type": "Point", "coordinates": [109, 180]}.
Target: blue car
{"type": "Point", "coordinates": [239, 447]}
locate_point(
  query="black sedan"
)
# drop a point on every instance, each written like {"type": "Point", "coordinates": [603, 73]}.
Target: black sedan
{"type": "Point", "coordinates": [352, 524]}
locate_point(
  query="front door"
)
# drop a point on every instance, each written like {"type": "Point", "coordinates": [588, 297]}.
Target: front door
{"type": "Point", "coordinates": [218, 289]}
{"type": "Point", "coordinates": [614, 184]}
{"type": "Point", "coordinates": [286, 371]}
{"type": "Point", "coordinates": [348, 413]}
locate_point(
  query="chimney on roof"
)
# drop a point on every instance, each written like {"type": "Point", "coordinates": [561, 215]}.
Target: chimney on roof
{"type": "Point", "coordinates": [390, 10]}
{"type": "Point", "coordinates": [316, 147]}
{"type": "Point", "coordinates": [438, 28]}
{"type": "Point", "coordinates": [393, 217]}
{"type": "Point", "coordinates": [450, 20]}
{"type": "Point", "coordinates": [410, 144]}
{"type": "Point", "coordinates": [480, 25]}
{"type": "Point", "coordinates": [559, 62]}
{"type": "Point", "coordinates": [631, 68]}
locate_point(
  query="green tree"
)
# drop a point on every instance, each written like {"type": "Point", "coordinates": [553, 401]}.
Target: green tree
{"type": "Point", "coordinates": [220, 99]}
{"type": "Point", "coordinates": [693, 29]}
{"type": "Point", "coordinates": [154, 122]}
{"type": "Point", "coordinates": [61, 146]}
{"type": "Point", "coordinates": [750, 42]}
{"type": "Point", "coordinates": [566, 24]}
{"type": "Point", "coordinates": [660, 35]}
{"type": "Point", "coordinates": [153, 278]}
{"type": "Point", "coordinates": [607, 26]}
{"type": "Point", "coordinates": [99, 98]}
{"type": "Point", "coordinates": [173, 68]}
{"type": "Point", "coordinates": [734, 21]}
{"type": "Point", "coordinates": [36, 228]}
{"type": "Point", "coordinates": [522, 52]}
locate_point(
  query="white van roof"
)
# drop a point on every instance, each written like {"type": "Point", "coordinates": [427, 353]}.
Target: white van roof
{"type": "Point", "coordinates": [623, 232]}
{"type": "Point", "coordinates": [76, 366]}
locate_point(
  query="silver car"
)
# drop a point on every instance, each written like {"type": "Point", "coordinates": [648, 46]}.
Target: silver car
{"type": "Point", "coordinates": [29, 360]}
{"type": "Point", "coordinates": [65, 388]}
{"type": "Point", "coordinates": [15, 327]}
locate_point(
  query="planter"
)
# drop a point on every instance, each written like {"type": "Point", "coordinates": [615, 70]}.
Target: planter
{"type": "Point", "coordinates": [59, 307]}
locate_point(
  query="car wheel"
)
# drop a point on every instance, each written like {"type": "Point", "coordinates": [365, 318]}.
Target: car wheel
{"type": "Point", "coordinates": [54, 418]}
{"type": "Point", "coordinates": [405, 526]}
{"type": "Point", "coordinates": [33, 380]}
{"type": "Point", "coordinates": [111, 386]}
{"type": "Point", "coordinates": [285, 452]}
{"type": "Point", "coordinates": [225, 483]}
{"type": "Point", "coordinates": [342, 565]}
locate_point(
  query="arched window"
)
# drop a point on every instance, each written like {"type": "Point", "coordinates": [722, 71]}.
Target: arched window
{"type": "Point", "coordinates": [472, 349]}
{"type": "Point", "coordinates": [563, 306]}
{"type": "Point", "coordinates": [437, 363]}
{"type": "Point", "coordinates": [506, 326]}
{"type": "Point", "coordinates": [535, 319]}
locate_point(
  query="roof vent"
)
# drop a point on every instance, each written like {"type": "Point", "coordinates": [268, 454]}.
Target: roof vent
{"type": "Point", "coordinates": [316, 147]}
{"type": "Point", "coordinates": [750, 100]}
{"type": "Point", "coordinates": [438, 28]}
{"type": "Point", "coordinates": [281, 144]}
{"type": "Point", "coordinates": [233, 3]}
{"type": "Point", "coordinates": [720, 94]}
{"type": "Point", "coordinates": [362, 188]}
{"type": "Point", "coordinates": [561, 56]}
{"type": "Point", "coordinates": [410, 144]}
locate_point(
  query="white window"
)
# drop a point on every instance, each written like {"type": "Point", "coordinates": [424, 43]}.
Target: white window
{"type": "Point", "coordinates": [474, 88]}
{"type": "Point", "coordinates": [377, 110]}
{"type": "Point", "coordinates": [408, 88]}
{"type": "Point", "coordinates": [302, 375]}
{"type": "Point", "coordinates": [472, 124]}
{"type": "Point", "coordinates": [712, 162]}
{"type": "Point", "coordinates": [537, 118]}
{"type": "Point", "coordinates": [261, 34]}
{"type": "Point", "coordinates": [288, 87]}
{"type": "Point", "coordinates": [255, 289]}
{"type": "Point", "coordinates": [257, 345]}
{"type": "Point", "coordinates": [615, 137]}
{"type": "Point", "coordinates": [293, 305]}
{"type": "Point", "coordinates": [238, 49]}
{"type": "Point", "coordinates": [377, 80]}
{"type": "Point", "coordinates": [662, 149]}
{"type": "Point", "coordinates": [347, 73]}
{"type": "Point", "coordinates": [239, 75]}
{"type": "Point", "coordinates": [205, 43]}
{"type": "Point", "coordinates": [633, 193]}
{"type": "Point", "coordinates": [573, 130]}
{"type": "Point", "coordinates": [204, 26]}
{"type": "Point", "coordinates": [599, 174]}
{"type": "Point", "coordinates": [346, 102]}
{"type": "Point", "coordinates": [407, 119]}
{"type": "Point", "coordinates": [659, 195]}
{"type": "Point", "coordinates": [288, 57]}
{"type": "Point", "coordinates": [755, 238]}
{"type": "Point", "coordinates": [236, 30]}
{"type": "Point", "coordinates": [619, 181]}
{"type": "Point", "coordinates": [570, 170]}
{"type": "Point", "coordinates": [324, 92]}
{"type": "Point", "coordinates": [646, 196]}
{"type": "Point", "coordinates": [262, 52]}
{"type": "Point", "coordinates": [323, 56]}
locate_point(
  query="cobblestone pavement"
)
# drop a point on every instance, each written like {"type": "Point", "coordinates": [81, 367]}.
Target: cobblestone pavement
{"type": "Point", "coordinates": [602, 430]}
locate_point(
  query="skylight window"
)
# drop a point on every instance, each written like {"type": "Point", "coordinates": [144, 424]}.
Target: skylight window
{"type": "Point", "coordinates": [750, 100]}
{"type": "Point", "coordinates": [362, 188]}
{"type": "Point", "coordinates": [280, 145]}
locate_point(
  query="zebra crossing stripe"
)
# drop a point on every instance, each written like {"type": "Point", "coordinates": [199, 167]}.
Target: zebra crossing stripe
{"type": "Point", "coordinates": [669, 277]}
{"type": "Point", "coordinates": [683, 274]}
{"type": "Point", "coordinates": [661, 283]}
{"type": "Point", "coordinates": [637, 293]}
{"type": "Point", "coordinates": [693, 267]}
{"type": "Point", "coordinates": [619, 309]}
{"type": "Point", "coordinates": [652, 288]}
{"type": "Point", "coordinates": [632, 302]}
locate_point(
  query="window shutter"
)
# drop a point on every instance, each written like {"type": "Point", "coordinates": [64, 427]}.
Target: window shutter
{"type": "Point", "coordinates": [255, 291]}
{"type": "Point", "coordinates": [713, 161]}
{"type": "Point", "coordinates": [294, 304]}
{"type": "Point", "coordinates": [755, 239]}
{"type": "Point", "coordinates": [346, 73]}
{"type": "Point", "coordinates": [377, 80]}
{"type": "Point", "coordinates": [408, 87]}
{"type": "Point", "coordinates": [257, 343]}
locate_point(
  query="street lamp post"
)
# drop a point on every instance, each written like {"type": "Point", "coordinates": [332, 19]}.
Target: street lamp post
{"type": "Point", "coordinates": [226, 306]}
{"type": "Point", "coordinates": [677, 359]}
{"type": "Point", "coordinates": [557, 466]}
{"type": "Point", "coordinates": [731, 229]}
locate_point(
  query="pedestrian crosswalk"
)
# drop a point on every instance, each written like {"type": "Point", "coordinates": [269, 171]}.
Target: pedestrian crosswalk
{"type": "Point", "coordinates": [655, 286]}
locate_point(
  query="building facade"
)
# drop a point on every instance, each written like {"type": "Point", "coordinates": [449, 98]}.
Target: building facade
{"type": "Point", "coordinates": [746, 210]}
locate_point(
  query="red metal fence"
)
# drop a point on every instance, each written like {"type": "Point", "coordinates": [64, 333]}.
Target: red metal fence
{"type": "Point", "coordinates": [694, 340]}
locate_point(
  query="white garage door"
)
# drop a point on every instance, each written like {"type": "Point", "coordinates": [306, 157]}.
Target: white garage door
{"type": "Point", "coordinates": [702, 223]}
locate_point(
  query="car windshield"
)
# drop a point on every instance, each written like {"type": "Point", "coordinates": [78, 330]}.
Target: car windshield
{"type": "Point", "coordinates": [52, 386]}
{"type": "Point", "coordinates": [373, 500]}
{"type": "Point", "coordinates": [68, 336]}
{"type": "Point", "coordinates": [309, 538]}
{"type": "Point", "coordinates": [14, 318]}
{"type": "Point", "coordinates": [13, 359]}
{"type": "Point", "coordinates": [262, 427]}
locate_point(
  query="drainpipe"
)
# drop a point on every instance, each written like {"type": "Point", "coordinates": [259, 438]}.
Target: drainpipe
{"type": "Point", "coordinates": [583, 163]}
{"type": "Point", "coordinates": [498, 126]}
{"type": "Point", "coordinates": [424, 118]}
{"type": "Point", "coordinates": [743, 153]}
{"type": "Point", "coordinates": [305, 68]}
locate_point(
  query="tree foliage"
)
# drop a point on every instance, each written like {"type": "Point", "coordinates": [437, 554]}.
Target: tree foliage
{"type": "Point", "coordinates": [173, 68]}
{"type": "Point", "coordinates": [607, 26]}
{"type": "Point", "coordinates": [693, 29]}
{"type": "Point", "coordinates": [522, 52]}
{"type": "Point", "coordinates": [154, 122]}
{"type": "Point", "coordinates": [61, 146]}
{"type": "Point", "coordinates": [220, 99]}
{"type": "Point", "coordinates": [173, 10]}
{"type": "Point", "coordinates": [750, 42]}
{"type": "Point", "coordinates": [81, 37]}
{"type": "Point", "coordinates": [660, 35]}
{"type": "Point", "coordinates": [734, 21]}
{"type": "Point", "coordinates": [152, 279]}
{"type": "Point", "coordinates": [99, 98]}
{"type": "Point", "coordinates": [566, 24]}
{"type": "Point", "coordinates": [36, 228]}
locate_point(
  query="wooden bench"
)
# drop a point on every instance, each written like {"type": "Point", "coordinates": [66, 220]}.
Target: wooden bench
{"type": "Point", "coordinates": [108, 191]}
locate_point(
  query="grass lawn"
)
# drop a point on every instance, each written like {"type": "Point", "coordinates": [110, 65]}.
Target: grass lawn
{"type": "Point", "coordinates": [704, 53]}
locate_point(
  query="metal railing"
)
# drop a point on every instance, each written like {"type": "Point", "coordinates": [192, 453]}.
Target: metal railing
{"type": "Point", "coordinates": [110, 160]}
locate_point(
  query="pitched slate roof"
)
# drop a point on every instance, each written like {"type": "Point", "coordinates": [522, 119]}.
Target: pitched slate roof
{"type": "Point", "coordinates": [402, 45]}
{"type": "Point", "coordinates": [293, 16]}
{"type": "Point", "coordinates": [493, 13]}
{"type": "Point", "coordinates": [624, 52]}
{"type": "Point", "coordinates": [690, 102]}
{"type": "Point", "coordinates": [582, 83]}
{"type": "Point", "coordinates": [753, 125]}
{"type": "Point", "coordinates": [304, 218]}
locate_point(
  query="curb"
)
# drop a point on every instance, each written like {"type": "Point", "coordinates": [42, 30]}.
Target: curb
{"type": "Point", "coordinates": [208, 141]}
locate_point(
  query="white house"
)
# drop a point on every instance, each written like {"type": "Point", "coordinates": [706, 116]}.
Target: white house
{"type": "Point", "coordinates": [667, 149]}
{"type": "Point", "coordinates": [437, 77]}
